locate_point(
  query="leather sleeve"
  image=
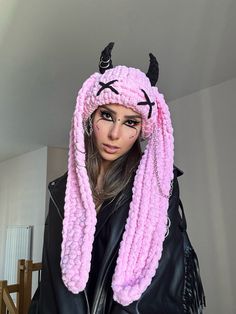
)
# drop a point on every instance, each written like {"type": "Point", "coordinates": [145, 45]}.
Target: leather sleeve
{"type": "Point", "coordinates": [48, 302]}
{"type": "Point", "coordinates": [44, 300]}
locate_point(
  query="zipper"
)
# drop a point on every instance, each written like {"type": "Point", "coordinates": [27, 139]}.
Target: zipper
{"type": "Point", "coordinates": [55, 204]}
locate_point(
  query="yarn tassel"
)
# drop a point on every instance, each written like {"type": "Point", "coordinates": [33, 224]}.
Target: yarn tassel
{"type": "Point", "coordinates": [193, 296]}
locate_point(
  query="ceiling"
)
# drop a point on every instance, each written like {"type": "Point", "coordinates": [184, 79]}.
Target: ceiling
{"type": "Point", "coordinates": [48, 48]}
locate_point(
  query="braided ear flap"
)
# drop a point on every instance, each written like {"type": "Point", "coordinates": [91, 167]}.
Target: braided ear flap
{"type": "Point", "coordinates": [105, 59]}
{"type": "Point", "coordinates": [78, 232]}
{"type": "Point", "coordinates": [153, 70]}
{"type": "Point", "coordinates": [142, 242]}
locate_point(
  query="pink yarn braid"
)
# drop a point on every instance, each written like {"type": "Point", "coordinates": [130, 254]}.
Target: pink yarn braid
{"type": "Point", "coordinates": [80, 214]}
{"type": "Point", "coordinates": [142, 242]}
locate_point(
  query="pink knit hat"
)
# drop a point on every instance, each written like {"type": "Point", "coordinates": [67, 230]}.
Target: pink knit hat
{"type": "Point", "coordinates": [142, 243]}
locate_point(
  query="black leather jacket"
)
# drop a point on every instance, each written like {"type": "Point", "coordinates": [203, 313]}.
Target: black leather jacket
{"type": "Point", "coordinates": [163, 295]}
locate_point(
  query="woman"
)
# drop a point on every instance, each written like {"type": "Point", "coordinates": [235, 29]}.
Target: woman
{"type": "Point", "coordinates": [113, 239]}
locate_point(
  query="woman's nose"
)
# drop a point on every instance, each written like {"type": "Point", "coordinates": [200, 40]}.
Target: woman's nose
{"type": "Point", "coordinates": [115, 131]}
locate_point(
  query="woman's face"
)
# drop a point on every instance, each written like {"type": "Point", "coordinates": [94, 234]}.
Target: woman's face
{"type": "Point", "coordinates": [116, 128]}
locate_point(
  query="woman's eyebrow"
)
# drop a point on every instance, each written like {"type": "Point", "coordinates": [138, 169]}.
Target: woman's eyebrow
{"type": "Point", "coordinates": [126, 117]}
{"type": "Point", "coordinates": [132, 117]}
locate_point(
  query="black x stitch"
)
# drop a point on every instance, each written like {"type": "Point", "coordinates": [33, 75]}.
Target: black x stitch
{"type": "Point", "coordinates": [147, 102]}
{"type": "Point", "coordinates": [107, 85]}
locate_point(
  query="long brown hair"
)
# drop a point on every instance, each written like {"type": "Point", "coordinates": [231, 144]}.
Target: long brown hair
{"type": "Point", "coordinates": [119, 173]}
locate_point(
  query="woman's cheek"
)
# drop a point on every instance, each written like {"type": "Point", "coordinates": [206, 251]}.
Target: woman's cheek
{"type": "Point", "coordinates": [134, 135]}
{"type": "Point", "coordinates": [97, 128]}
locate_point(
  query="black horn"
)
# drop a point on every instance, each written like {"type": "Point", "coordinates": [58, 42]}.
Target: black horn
{"type": "Point", "coordinates": [153, 70]}
{"type": "Point", "coordinates": [105, 59]}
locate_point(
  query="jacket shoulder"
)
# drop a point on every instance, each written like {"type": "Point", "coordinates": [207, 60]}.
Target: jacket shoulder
{"type": "Point", "coordinates": [58, 180]}
{"type": "Point", "coordinates": [178, 171]}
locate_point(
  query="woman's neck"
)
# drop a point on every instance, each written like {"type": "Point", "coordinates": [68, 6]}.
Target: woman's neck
{"type": "Point", "coordinates": [103, 169]}
{"type": "Point", "coordinates": [99, 186]}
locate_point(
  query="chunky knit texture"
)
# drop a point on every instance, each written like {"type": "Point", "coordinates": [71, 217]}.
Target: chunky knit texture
{"type": "Point", "coordinates": [142, 242]}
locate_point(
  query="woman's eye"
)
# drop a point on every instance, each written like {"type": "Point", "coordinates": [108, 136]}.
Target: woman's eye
{"type": "Point", "coordinates": [106, 115]}
{"type": "Point", "coordinates": [131, 122]}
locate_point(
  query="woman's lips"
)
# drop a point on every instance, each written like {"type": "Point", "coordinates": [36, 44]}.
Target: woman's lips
{"type": "Point", "coordinates": [110, 149]}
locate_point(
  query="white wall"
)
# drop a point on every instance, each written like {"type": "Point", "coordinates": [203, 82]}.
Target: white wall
{"type": "Point", "coordinates": [56, 162]}
{"type": "Point", "coordinates": [204, 125]}
{"type": "Point", "coordinates": [22, 197]}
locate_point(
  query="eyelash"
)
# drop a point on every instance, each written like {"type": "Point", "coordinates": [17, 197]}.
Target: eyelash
{"type": "Point", "coordinates": [103, 113]}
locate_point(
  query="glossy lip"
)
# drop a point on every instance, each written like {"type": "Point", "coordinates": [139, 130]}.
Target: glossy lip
{"type": "Point", "coordinates": [110, 149]}
{"type": "Point", "coordinates": [110, 146]}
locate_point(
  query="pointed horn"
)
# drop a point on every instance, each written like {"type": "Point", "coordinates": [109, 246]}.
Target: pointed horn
{"type": "Point", "coordinates": [153, 70]}
{"type": "Point", "coordinates": [105, 59]}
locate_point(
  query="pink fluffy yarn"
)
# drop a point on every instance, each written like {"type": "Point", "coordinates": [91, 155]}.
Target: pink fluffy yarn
{"type": "Point", "coordinates": [142, 242]}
